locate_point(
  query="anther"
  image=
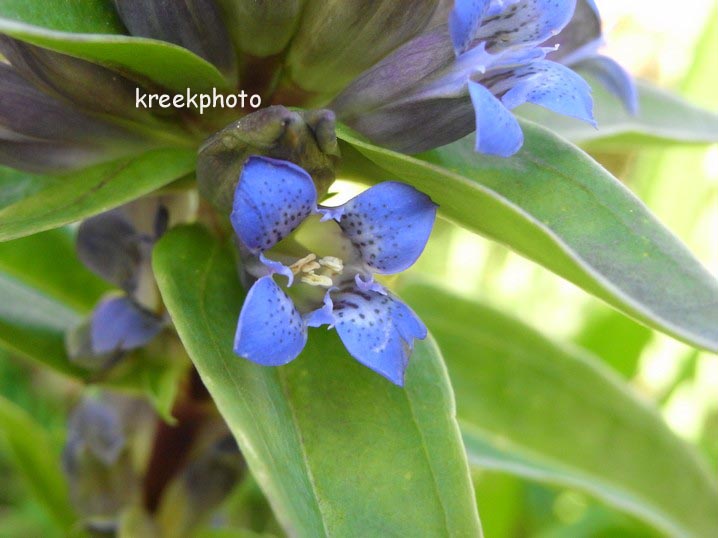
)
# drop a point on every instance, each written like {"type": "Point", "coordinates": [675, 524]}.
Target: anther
{"type": "Point", "coordinates": [317, 280]}
{"type": "Point", "coordinates": [332, 263]}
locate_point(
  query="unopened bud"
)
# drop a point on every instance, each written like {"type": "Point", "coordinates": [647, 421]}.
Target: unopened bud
{"type": "Point", "coordinates": [304, 138]}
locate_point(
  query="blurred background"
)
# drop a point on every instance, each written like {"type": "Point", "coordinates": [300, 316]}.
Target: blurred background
{"type": "Point", "coordinates": [672, 45]}
{"type": "Point", "coordinates": [675, 46]}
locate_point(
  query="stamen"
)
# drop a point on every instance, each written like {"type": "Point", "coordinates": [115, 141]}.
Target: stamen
{"type": "Point", "coordinates": [327, 266]}
{"type": "Point", "coordinates": [332, 263]}
{"type": "Point", "coordinates": [297, 266]}
{"type": "Point", "coordinates": [310, 267]}
{"type": "Point", "coordinates": [317, 280]}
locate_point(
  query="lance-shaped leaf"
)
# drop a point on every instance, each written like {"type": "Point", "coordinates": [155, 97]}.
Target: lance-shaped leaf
{"type": "Point", "coordinates": [555, 205]}
{"type": "Point", "coordinates": [58, 200]}
{"type": "Point", "coordinates": [195, 25]}
{"type": "Point", "coordinates": [77, 16]}
{"type": "Point", "coordinates": [44, 292]}
{"type": "Point", "coordinates": [32, 451]}
{"type": "Point", "coordinates": [298, 425]}
{"type": "Point", "coordinates": [530, 407]}
{"type": "Point", "coordinates": [165, 64]}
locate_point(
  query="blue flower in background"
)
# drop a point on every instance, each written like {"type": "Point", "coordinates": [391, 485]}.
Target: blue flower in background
{"type": "Point", "coordinates": [329, 263]}
{"type": "Point", "coordinates": [489, 59]}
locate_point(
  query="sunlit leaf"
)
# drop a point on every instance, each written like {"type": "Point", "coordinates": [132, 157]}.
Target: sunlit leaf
{"type": "Point", "coordinates": [31, 449]}
{"type": "Point", "coordinates": [555, 205]}
{"type": "Point", "coordinates": [530, 407]}
{"type": "Point", "coordinates": [52, 201]}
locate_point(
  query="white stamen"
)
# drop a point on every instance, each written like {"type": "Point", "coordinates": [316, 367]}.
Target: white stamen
{"type": "Point", "coordinates": [297, 266]}
{"type": "Point", "coordinates": [332, 263]}
{"type": "Point", "coordinates": [310, 267]}
{"type": "Point", "coordinates": [317, 280]}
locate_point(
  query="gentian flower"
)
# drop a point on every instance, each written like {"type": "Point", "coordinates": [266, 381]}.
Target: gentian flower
{"type": "Point", "coordinates": [421, 96]}
{"type": "Point", "coordinates": [578, 45]}
{"type": "Point", "coordinates": [329, 266]}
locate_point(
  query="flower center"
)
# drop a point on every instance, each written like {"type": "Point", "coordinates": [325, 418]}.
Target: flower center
{"type": "Point", "coordinates": [317, 271]}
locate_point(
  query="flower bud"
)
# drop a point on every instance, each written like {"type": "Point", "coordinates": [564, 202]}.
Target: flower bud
{"type": "Point", "coordinates": [387, 103]}
{"type": "Point", "coordinates": [337, 40]}
{"type": "Point", "coordinates": [262, 27]}
{"type": "Point", "coordinates": [193, 24]}
{"type": "Point", "coordinates": [304, 137]}
{"type": "Point", "coordinates": [91, 86]}
{"type": "Point", "coordinates": [97, 463]}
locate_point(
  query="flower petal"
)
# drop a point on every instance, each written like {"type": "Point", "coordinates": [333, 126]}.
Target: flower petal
{"type": "Point", "coordinates": [323, 315]}
{"type": "Point", "coordinates": [525, 21]}
{"type": "Point", "coordinates": [378, 330]}
{"type": "Point", "coordinates": [549, 85]}
{"type": "Point", "coordinates": [119, 324]}
{"type": "Point", "coordinates": [389, 224]}
{"type": "Point", "coordinates": [270, 329]}
{"type": "Point", "coordinates": [497, 131]}
{"type": "Point", "coordinates": [614, 78]}
{"type": "Point", "coordinates": [272, 198]}
{"type": "Point", "coordinates": [110, 247]}
{"type": "Point", "coordinates": [580, 38]}
{"type": "Point", "coordinates": [464, 22]}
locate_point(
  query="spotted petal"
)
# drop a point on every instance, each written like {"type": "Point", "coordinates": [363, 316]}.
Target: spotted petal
{"type": "Point", "coordinates": [378, 330]}
{"type": "Point", "coordinates": [270, 329]}
{"type": "Point", "coordinates": [389, 224]}
{"type": "Point", "coordinates": [497, 131]}
{"type": "Point", "coordinates": [272, 198]}
{"type": "Point", "coordinates": [549, 85]}
{"type": "Point", "coordinates": [464, 22]}
{"type": "Point", "coordinates": [119, 324]}
{"type": "Point", "coordinates": [525, 21]}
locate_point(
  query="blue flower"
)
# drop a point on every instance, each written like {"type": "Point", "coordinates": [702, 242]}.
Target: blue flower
{"type": "Point", "coordinates": [329, 263]}
{"type": "Point", "coordinates": [578, 45]}
{"type": "Point", "coordinates": [491, 60]}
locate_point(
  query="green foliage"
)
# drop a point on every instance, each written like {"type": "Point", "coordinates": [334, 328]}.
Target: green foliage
{"type": "Point", "coordinates": [89, 34]}
{"type": "Point", "coordinates": [558, 207]}
{"type": "Point", "coordinates": [530, 407]}
{"type": "Point", "coordinates": [338, 450]}
{"type": "Point", "coordinates": [31, 449]}
{"type": "Point", "coordinates": [58, 200]}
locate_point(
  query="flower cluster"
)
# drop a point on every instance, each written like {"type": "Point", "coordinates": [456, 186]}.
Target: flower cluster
{"type": "Point", "coordinates": [329, 266]}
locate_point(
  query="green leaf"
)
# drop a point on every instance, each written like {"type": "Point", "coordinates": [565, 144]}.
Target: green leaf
{"type": "Point", "coordinates": [337, 449]}
{"type": "Point", "coordinates": [31, 449]}
{"type": "Point", "coordinates": [553, 204]}
{"type": "Point", "coordinates": [663, 118]}
{"type": "Point", "coordinates": [58, 200]}
{"type": "Point", "coordinates": [76, 16]}
{"type": "Point", "coordinates": [530, 407]}
{"type": "Point", "coordinates": [166, 64]}
{"type": "Point", "coordinates": [44, 291]}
